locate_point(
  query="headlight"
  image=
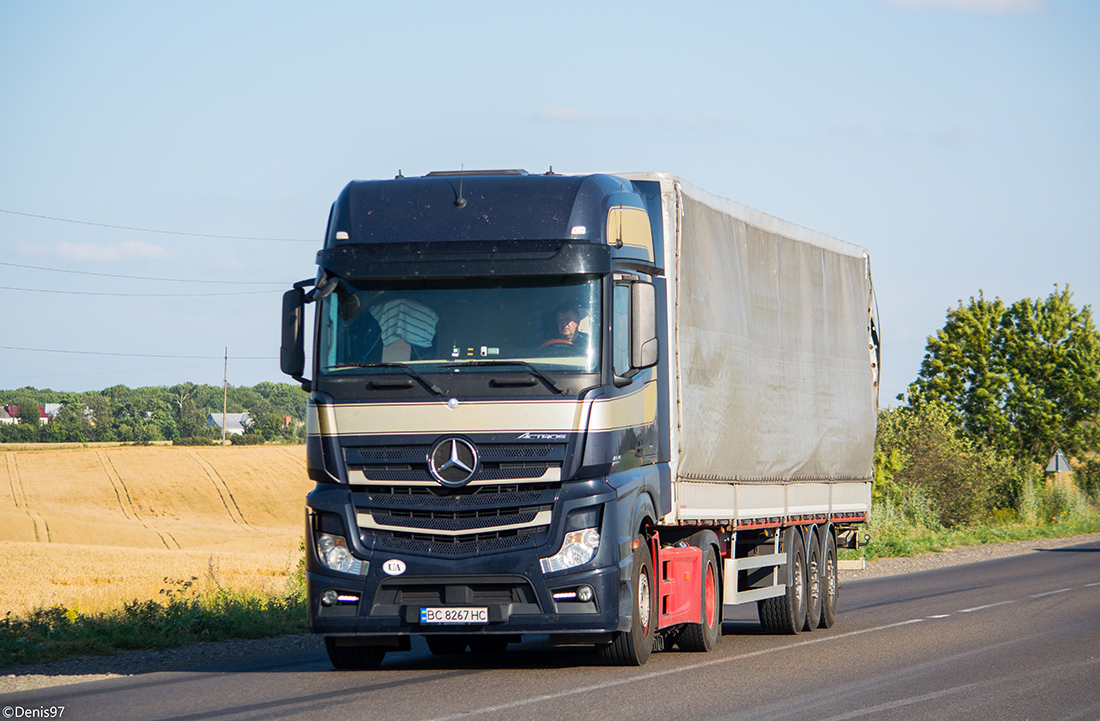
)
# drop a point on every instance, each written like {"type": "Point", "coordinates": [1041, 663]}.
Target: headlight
{"type": "Point", "coordinates": [579, 547]}
{"type": "Point", "coordinates": [333, 552]}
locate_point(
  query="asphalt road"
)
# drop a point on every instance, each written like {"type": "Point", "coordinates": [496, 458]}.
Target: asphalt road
{"type": "Point", "coordinates": [1015, 638]}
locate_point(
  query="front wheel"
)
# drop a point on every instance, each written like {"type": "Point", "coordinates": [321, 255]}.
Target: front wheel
{"type": "Point", "coordinates": [704, 636]}
{"type": "Point", "coordinates": [447, 645]}
{"type": "Point", "coordinates": [353, 658]}
{"type": "Point", "coordinates": [633, 647]}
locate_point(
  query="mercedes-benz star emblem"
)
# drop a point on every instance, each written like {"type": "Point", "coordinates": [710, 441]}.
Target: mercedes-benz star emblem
{"type": "Point", "coordinates": [453, 462]}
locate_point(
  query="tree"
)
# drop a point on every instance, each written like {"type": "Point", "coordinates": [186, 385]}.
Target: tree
{"type": "Point", "coordinates": [70, 425]}
{"type": "Point", "coordinates": [1024, 379]}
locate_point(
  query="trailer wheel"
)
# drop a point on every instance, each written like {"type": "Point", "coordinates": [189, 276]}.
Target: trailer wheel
{"type": "Point", "coordinates": [786, 614]}
{"type": "Point", "coordinates": [633, 647]}
{"type": "Point", "coordinates": [829, 589]}
{"type": "Point", "coordinates": [703, 636]}
{"type": "Point", "coordinates": [353, 658]}
{"type": "Point", "coordinates": [447, 645]}
{"type": "Point", "coordinates": [813, 582]}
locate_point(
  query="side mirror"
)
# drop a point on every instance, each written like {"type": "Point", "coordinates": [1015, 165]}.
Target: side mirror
{"type": "Point", "coordinates": [292, 356]}
{"type": "Point", "coordinates": [644, 348]}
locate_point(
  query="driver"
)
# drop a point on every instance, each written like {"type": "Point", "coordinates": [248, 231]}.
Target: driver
{"type": "Point", "coordinates": [567, 323]}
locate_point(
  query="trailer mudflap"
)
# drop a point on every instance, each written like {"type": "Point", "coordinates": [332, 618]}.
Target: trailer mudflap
{"type": "Point", "coordinates": [680, 579]}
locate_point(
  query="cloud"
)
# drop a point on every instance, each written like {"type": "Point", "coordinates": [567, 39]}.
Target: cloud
{"type": "Point", "coordinates": [126, 251]}
{"type": "Point", "coordinates": [981, 7]}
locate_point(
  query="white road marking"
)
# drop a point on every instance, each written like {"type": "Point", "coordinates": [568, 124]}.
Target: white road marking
{"type": "Point", "coordinates": [741, 657]}
{"type": "Point", "coordinates": [982, 608]}
{"type": "Point", "coordinates": [1051, 593]}
{"type": "Point", "coordinates": [667, 672]}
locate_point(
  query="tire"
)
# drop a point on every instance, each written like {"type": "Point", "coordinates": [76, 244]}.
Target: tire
{"type": "Point", "coordinates": [813, 582]}
{"type": "Point", "coordinates": [488, 644]}
{"type": "Point", "coordinates": [353, 658]}
{"type": "Point", "coordinates": [829, 588]}
{"type": "Point", "coordinates": [786, 614]}
{"type": "Point", "coordinates": [704, 636]}
{"type": "Point", "coordinates": [447, 645]}
{"type": "Point", "coordinates": [633, 647]}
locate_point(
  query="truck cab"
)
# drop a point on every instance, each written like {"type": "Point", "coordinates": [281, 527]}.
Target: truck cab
{"type": "Point", "coordinates": [483, 419]}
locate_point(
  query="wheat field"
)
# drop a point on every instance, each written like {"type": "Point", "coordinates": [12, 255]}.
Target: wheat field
{"type": "Point", "coordinates": [91, 528]}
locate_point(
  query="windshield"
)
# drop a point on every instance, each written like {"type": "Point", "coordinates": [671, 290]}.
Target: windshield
{"type": "Point", "coordinates": [550, 323]}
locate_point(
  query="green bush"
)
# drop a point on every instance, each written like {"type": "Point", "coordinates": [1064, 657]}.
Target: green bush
{"type": "Point", "coordinates": [193, 441]}
{"type": "Point", "coordinates": [962, 482]}
{"type": "Point", "coordinates": [1087, 476]}
{"type": "Point", "coordinates": [246, 439]}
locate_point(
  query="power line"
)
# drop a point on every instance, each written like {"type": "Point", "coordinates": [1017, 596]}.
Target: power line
{"type": "Point", "coordinates": [133, 355]}
{"type": "Point", "coordinates": [137, 295]}
{"type": "Point", "coordinates": [153, 230]}
{"type": "Point", "coordinates": [142, 277]}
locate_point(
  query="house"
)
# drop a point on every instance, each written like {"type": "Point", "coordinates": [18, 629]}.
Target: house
{"type": "Point", "coordinates": [6, 417]}
{"type": "Point", "coordinates": [234, 422]}
{"type": "Point", "coordinates": [13, 414]}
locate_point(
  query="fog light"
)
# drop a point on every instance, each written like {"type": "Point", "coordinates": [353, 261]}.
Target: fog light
{"type": "Point", "coordinates": [329, 598]}
{"type": "Point", "coordinates": [585, 593]}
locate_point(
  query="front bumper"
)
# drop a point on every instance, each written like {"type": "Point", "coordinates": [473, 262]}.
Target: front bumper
{"type": "Point", "coordinates": [518, 601]}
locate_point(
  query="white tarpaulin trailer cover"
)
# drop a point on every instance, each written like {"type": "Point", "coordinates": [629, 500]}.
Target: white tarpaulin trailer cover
{"type": "Point", "coordinates": [777, 372]}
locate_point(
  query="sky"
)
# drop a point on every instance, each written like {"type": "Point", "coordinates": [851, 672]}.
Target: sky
{"type": "Point", "coordinates": [166, 169]}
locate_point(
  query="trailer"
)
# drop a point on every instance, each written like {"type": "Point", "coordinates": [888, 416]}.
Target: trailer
{"type": "Point", "coordinates": [597, 408]}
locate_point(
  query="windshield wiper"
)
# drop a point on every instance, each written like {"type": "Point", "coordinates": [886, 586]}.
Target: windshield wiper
{"type": "Point", "coordinates": [407, 368]}
{"type": "Point", "coordinates": [534, 371]}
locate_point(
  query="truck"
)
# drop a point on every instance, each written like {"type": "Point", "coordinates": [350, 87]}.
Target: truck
{"type": "Point", "coordinates": [598, 408]}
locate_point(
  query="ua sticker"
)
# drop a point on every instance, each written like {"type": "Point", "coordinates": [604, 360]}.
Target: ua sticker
{"type": "Point", "coordinates": [394, 567]}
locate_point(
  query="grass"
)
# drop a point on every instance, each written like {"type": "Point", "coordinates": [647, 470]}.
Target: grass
{"type": "Point", "coordinates": [894, 540]}
{"type": "Point", "coordinates": [180, 618]}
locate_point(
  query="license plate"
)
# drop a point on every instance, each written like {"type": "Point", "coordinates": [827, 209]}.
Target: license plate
{"type": "Point", "coordinates": [454, 615]}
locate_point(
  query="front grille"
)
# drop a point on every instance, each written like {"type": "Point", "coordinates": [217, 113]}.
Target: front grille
{"type": "Point", "coordinates": [507, 505]}
{"type": "Point", "coordinates": [453, 521]}
{"type": "Point", "coordinates": [368, 454]}
{"type": "Point", "coordinates": [476, 545]}
{"type": "Point", "coordinates": [428, 497]}
{"type": "Point", "coordinates": [503, 594]}
{"type": "Point", "coordinates": [486, 473]}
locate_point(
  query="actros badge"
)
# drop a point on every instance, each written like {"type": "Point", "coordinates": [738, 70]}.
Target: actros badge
{"type": "Point", "coordinates": [453, 462]}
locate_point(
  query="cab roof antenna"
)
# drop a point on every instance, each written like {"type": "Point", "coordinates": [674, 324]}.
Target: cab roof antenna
{"type": "Point", "coordinates": [460, 202]}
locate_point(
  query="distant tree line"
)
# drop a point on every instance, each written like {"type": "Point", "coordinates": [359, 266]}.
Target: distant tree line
{"type": "Point", "coordinates": [155, 413]}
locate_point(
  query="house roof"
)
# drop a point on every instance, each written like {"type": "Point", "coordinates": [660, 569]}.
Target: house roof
{"type": "Point", "coordinates": [233, 421]}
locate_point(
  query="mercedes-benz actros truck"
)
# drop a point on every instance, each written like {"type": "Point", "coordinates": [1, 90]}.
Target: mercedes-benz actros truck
{"type": "Point", "coordinates": [597, 408]}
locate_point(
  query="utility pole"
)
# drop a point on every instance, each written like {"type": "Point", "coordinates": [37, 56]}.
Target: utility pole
{"type": "Point", "coordinates": [225, 392]}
